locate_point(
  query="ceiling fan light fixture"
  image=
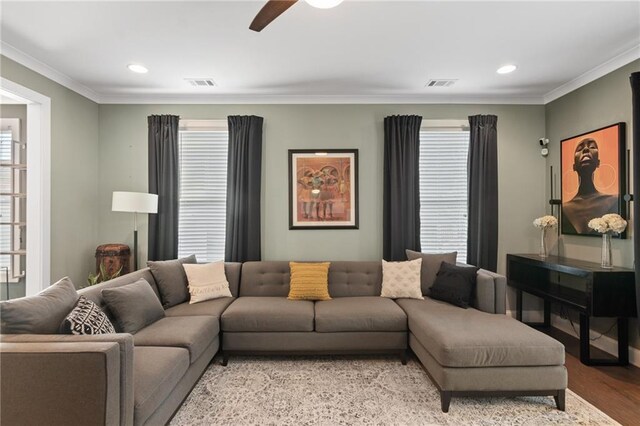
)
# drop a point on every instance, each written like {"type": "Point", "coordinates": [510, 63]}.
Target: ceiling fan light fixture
{"type": "Point", "coordinates": [137, 68]}
{"type": "Point", "coordinates": [506, 69]}
{"type": "Point", "coordinates": [324, 4]}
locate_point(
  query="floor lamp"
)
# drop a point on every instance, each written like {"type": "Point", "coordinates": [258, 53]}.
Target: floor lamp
{"type": "Point", "coordinates": [134, 202]}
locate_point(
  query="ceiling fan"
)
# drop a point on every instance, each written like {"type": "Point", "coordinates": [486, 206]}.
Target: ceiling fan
{"type": "Point", "coordinates": [275, 8]}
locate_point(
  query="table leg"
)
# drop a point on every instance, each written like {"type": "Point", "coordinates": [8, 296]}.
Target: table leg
{"type": "Point", "coordinates": [519, 304]}
{"type": "Point", "coordinates": [547, 313]}
{"type": "Point", "coordinates": [623, 341]}
{"type": "Point", "coordinates": [585, 357]}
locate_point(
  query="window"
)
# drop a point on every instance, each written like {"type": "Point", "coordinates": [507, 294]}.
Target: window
{"type": "Point", "coordinates": [443, 190]}
{"type": "Point", "coordinates": [203, 189]}
{"type": "Point", "coordinates": [12, 200]}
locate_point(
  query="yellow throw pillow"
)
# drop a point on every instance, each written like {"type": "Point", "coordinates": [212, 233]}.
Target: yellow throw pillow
{"type": "Point", "coordinates": [309, 281]}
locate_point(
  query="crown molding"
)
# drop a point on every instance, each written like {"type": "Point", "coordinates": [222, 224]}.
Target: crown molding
{"type": "Point", "coordinates": [317, 99]}
{"type": "Point", "coordinates": [100, 98]}
{"type": "Point", "coordinates": [600, 71]}
{"type": "Point", "coordinates": [47, 71]}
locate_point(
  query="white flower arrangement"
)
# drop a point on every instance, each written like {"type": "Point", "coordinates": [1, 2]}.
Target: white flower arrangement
{"type": "Point", "coordinates": [545, 222]}
{"type": "Point", "coordinates": [608, 223]}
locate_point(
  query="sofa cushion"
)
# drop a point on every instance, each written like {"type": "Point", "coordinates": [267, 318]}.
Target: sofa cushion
{"type": "Point", "coordinates": [213, 308]}
{"type": "Point", "coordinates": [369, 313]}
{"type": "Point", "coordinates": [171, 280]}
{"type": "Point", "coordinates": [206, 281]}
{"type": "Point", "coordinates": [232, 271]}
{"type": "Point", "coordinates": [134, 306]}
{"type": "Point", "coordinates": [157, 371]}
{"type": "Point", "coordinates": [455, 284]}
{"type": "Point", "coordinates": [470, 338]}
{"type": "Point", "coordinates": [309, 281]}
{"type": "Point", "coordinates": [265, 278]}
{"type": "Point", "coordinates": [401, 279]}
{"type": "Point", "coordinates": [39, 314]}
{"type": "Point", "coordinates": [86, 318]}
{"type": "Point", "coordinates": [430, 266]}
{"type": "Point", "coordinates": [349, 278]}
{"type": "Point", "coordinates": [194, 333]}
{"type": "Point", "coordinates": [94, 292]}
{"type": "Point", "coordinates": [268, 314]}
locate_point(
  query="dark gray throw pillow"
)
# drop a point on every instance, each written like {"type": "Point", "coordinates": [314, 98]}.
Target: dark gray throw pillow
{"type": "Point", "coordinates": [134, 306]}
{"type": "Point", "coordinates": [86, 318]}
{"type": "Point", "coordinates": [430, 266]}
{"type": "Point", "coordinates": [455, 284]}
{"type": "Point", "coordinates": [171, 280]}
{"type": "Point", "coordinates": [39, 314]}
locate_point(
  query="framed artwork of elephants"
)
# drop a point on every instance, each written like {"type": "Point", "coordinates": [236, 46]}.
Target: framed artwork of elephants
{"type": "Point", "coordinates": [593, 178]}
{"type": "Point", "coordinates": [323, 189]}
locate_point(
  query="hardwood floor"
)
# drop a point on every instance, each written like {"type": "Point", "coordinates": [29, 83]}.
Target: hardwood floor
{"type": "Point", "coordinates": [614, 390]}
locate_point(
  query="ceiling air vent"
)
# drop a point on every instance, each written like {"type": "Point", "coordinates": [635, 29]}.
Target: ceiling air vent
{"type": "Point", "coordinates": [441, 83]}
{"type": "Point", "coordinates": [201, 82]}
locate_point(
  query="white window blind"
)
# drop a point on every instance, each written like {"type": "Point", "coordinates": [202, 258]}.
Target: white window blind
{"type": "Point", "coordinates": [203, 193]}
{"type": "Point", "coordinates": [443, 191]}
{"type": "Point", "coordinates": [6, 186]}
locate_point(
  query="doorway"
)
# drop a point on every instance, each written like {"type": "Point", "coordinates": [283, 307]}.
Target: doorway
{"type": "Point", "coordinates": [30, 193]}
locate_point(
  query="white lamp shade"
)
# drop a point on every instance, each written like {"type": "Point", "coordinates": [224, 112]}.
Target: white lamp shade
{"type": "Point", "coordinates": [137, 202]}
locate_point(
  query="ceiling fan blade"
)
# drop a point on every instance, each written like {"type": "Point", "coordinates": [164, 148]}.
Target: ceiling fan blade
{"type": "Point", "coordinates": [269, 12]}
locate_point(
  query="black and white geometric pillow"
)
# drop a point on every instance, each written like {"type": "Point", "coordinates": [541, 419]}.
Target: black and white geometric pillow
{"type": "Point", "coordinates": [86, 318]}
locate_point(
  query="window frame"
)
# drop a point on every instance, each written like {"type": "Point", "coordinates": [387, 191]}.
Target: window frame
{"type": "Point", "coordinates": [444, 125]}
{"type": "Point", "coordinates": [198, 126]}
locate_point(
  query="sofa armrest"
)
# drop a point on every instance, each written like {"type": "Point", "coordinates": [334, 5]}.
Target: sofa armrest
{"type": "Point", "coordinates": [124, 345]}
{"type": "Point", "coordinates": [60, 383]}
{"type": "Point", "coordinates": [491, 291]}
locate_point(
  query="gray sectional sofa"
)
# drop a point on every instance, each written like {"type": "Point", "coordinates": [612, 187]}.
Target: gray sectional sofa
{"type": "Point", "coordinates": [143, 378]}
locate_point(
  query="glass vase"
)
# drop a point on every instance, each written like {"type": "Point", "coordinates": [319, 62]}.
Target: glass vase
{"type": "Point", "coordinates": [606, 251]}
{"type": "Point", "coordinates": [543, 243]}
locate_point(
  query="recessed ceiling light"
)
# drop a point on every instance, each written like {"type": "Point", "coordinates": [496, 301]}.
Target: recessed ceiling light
{"type": "Point", "coordinates": [138, 68]}
{"type": "Point", "coordinates": [324, 4]}
{"type": "Point", "coordinates": [506, 69]}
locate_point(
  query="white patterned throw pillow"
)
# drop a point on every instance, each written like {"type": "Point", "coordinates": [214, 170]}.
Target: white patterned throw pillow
{"type": "Point", "coordinates": [207, 281]}
{"type": "Point", "coordinates": [401, 279]}
{"type": "Point", "coordinates": [86, 318]}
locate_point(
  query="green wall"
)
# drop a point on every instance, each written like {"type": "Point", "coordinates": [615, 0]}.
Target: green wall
{"type": "Point", "coordinates": [600, 103]}
{"type": "Point", "coordinates": [123, 147]}
{"type": "Point", "coordinates": [74, 173]}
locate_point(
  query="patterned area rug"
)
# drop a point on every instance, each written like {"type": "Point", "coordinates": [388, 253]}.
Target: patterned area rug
{"type": "Point", "coordinates": [355, 391]}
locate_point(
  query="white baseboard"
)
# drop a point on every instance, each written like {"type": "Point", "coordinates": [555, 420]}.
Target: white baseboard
{"type": "Point", "coordinates": [604, 343]}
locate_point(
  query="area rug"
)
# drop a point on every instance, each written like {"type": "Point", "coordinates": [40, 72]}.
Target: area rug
{"type": "Point", "coordinates": [355, 391]}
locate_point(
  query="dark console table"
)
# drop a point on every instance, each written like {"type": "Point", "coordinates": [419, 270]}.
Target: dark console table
{"type": "Point", "coordinates": [583, 286]}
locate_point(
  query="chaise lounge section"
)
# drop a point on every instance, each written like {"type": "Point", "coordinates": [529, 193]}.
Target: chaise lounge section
{"type": "Point", "coordinates": [467, 352]}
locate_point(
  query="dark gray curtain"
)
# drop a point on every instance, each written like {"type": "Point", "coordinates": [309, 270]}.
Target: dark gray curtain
{"type": "Point", "coordinates": [635, 96]}
{"type": "Point", "coordinates": [401, 197]}
{"type": "Point", "coordinates": [482, 237]}
{"type": "Point", "coordinates": [163, 180]}
{"type": "Point", "coordinates": [243, 189]}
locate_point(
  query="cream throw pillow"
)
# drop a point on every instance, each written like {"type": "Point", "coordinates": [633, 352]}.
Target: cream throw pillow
{"type": "Point", "coordinates": [401, 279]}
{"type": "Point", "coordinates": [206, 281]}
